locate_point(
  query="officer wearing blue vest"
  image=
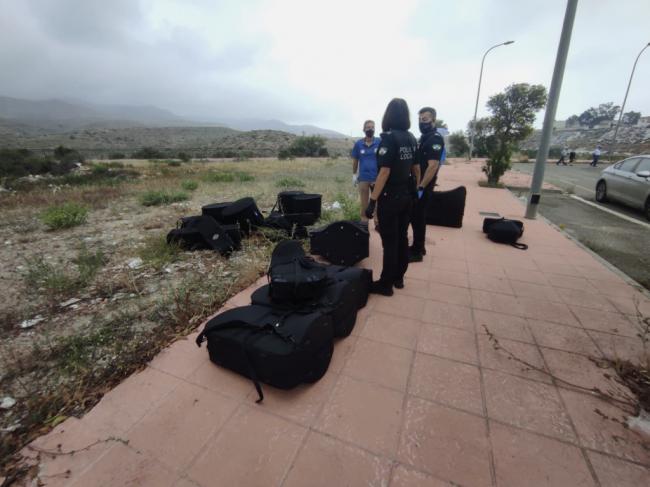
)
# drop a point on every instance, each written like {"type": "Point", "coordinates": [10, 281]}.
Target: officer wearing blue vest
{"type": "Point", "coordinates": [364, 165]}
{"type": "Point", "coordinates": [430, 153]}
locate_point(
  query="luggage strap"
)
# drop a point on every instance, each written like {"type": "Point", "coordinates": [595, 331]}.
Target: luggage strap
{"type": "Point", "coordinates": [253, 330]}
{"type": "Point", "coordinates": [520, 246]}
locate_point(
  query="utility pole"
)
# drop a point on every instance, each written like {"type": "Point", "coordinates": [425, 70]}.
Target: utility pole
{"type": "Point", "coordinates": [613, 144]}
{"type": "Point", "coordinates": [551, 108]}
{"type": "Point", "coordinates": [478, 93]}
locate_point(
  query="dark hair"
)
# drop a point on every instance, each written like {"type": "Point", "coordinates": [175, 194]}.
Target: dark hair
{"type": "Point", "coordinates": [368, 121]}
{"type": "Point", "coordinates": [432, 111]}
{"type": "Point", "coordinates": [396, 116]}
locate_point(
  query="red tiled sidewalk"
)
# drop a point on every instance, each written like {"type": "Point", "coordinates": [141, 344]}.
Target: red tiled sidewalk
{"type": "Point", "coordinates": [417, 396]}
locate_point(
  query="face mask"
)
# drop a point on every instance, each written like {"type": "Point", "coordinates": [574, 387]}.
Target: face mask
{"type": "Point", "coordinates": [370, 133]}
{"type": "Point", "coordinates": [426, 127]}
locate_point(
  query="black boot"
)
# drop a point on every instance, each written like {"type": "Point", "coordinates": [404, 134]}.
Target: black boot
{"type": "Point", "coordinates": [399, 284]}
{"type": "Point", "coordinates": [415, 257]}
{"type": "Point", "coordinates": [380, 287]}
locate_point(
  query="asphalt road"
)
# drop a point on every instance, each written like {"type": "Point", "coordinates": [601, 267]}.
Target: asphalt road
{"type": "Point", "coordinates": [618, 240]}
{"type": "Point", "coordinates": [579, 179]}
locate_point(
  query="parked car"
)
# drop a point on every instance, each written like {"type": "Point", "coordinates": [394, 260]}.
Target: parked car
{"type": "Point", "coordinates": [628, 182]}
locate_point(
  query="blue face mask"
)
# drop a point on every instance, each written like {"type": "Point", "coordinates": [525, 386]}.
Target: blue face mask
{"type": "Point", "coordinates": [426, 127]}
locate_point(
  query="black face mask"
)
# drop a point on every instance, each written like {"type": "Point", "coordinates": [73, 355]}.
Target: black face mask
{"type": "Point", "coordinates": [426, 127]}
{"type": "Point", "coordinates": [370, 133]}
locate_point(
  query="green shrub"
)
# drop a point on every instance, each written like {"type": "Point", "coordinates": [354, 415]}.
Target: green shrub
{"type": "Point", "coordinates": [284, 154]}
{"type": "Point", "coordinates": [290, 183]}
{"type": "Point", "coordinates": [350, 207]}
{"type": "Point", "coordinates": [64, 216]}
{"type": "Point", "coordinates": [189, 185]}
{"type": "Point", "coordinates": [308, 146]}
{"type": "Point", "coordinates": [173, 162]}
{"type": "Point", "coordinates": [16, 163]}
{"type": "Point", "coordinates": [184, 156]}
{"type": "Point", "coordinates": [245, 177]}
{"type": "Point", "coordinates": [99, 169]}
{"type": "Point", "coordinates": [159, 197]}
{"type": "Point", "coordinates": [117, 155]}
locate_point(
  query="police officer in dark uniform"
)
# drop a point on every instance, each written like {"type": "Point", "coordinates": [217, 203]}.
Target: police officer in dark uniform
{"type": "Point", "coordinates": [429, 154]}
{"type": "Point", "coordinates": [393, 194]}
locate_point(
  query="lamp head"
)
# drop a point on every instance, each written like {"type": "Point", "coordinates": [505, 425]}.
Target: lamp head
{"type": "Point", "coordinates": [508, 42]}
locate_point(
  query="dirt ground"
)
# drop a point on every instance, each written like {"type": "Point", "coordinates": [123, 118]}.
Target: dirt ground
{"type": "Point", "coordinates": [67, 339]}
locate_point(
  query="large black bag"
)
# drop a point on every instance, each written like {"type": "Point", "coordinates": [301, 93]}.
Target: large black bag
{"type": "Point", "coordinates": [276, 348]}
{"type": "Point", "coordinates": [291, 226]}
{"type": "Point", "coordinates": [447, 208]}
{"type": "Point", "coordinates": [293, 276]}
{"type": "Point", "coordinates": [300, 208]}
{"type": "Point", "coordinates": [244, 212]}
{"type": "Point", "coordinates": [338, 301]}
{"type": "Point", "coordinates": [234, 233]}
{"type": "Point", "coordinates": [359, 279]}
{"type": "Point", "coordinates": [215, 210]}
{"type": "Point", "coordinates": [201, 232]}
{"type": "Point", "coordinates": [506, 231]}
{"type": "Point", "coordinates": [343, 242]}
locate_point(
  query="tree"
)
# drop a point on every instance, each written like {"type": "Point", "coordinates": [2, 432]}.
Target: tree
{"type": "Point", "coordinates": [593, 116]}
{"type": "Point", "coordinates": [572, 121]}
{"type": "Point", "coordinates": [631, 118]}
{"type": "Point", "coordinates": [513, 115]}
{"type": "Point", "coordinates": [441, 124]}
{"type": "Point", "coordinates": [481, 134]}
{"type": "Point", "coordinates": [458, 145]}
{"type": "Point", "coordinates": [308, 146]}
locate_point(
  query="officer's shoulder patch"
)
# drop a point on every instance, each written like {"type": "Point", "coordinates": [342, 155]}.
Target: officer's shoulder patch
{"type": "Point", "coordinates": [383, 151]}
{"type": "Point", "coordinates": [436, 147]}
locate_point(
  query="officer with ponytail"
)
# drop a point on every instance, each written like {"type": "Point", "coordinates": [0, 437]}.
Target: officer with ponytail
{"type": "Point", "coordinates": [392, 196]}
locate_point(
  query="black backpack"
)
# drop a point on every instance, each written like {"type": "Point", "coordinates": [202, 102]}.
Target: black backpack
{"type": "Point", "coordinates": [282, 349]}
{"type": "Point", "coordinates": [215, 210]}
{"type": "Point", "coordinates": [505, 231]}
{"type": "Point", "coordinates": [244, 212]}
{"type": "Point", "coordinates": [201, 232]}
{"type": "Point", "coordinates": [343, 242]}
{"type": "Point", "coordinates": [338, 301]}
{"type": "Point", "coordinates": [293, 276]}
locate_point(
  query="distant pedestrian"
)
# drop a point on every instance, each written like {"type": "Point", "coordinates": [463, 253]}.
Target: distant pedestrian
{"type": "Point", "coordinates": [596, 156]}
{"type": "Point", "coordinates": [572, 157]}
{"type": "Point", "coordinates": [563, 156]}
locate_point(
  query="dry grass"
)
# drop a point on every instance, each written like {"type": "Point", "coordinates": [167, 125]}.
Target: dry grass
{"type": "Point", "coordinates": [66, 368]}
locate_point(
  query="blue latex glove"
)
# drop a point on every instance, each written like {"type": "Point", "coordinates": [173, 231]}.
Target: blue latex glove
{"type": "Point", "coordinates": [420, 193]}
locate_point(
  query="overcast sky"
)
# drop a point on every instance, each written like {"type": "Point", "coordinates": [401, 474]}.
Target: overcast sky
{"type": "Point", "coordinates": [332, 63]}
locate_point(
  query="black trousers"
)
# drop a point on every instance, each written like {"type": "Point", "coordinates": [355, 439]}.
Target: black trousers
{"type": "Point", "coordinates": [394, 212]}
{"type": "Point", "coordinates": [419, 221]}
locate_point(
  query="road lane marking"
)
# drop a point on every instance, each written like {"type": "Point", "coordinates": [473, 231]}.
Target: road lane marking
{"type": "Point", "coordinates": [612, 212]}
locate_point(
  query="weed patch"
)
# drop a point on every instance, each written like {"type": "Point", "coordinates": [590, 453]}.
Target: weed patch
{"type": "Point", "coordinates": [159, 197]}
{"type": "Point", "coordinates": [290, 183]}
{"type": "Point", "coordinates": [65, 215]}
{"type": "Point", "coordinates": [228, 177]}
{"type": "Point", "coordinates": [157, 253]}
{"type": "Point", "coordinates": [189, 185]}
{"type": "Point", "coordinates": [57, 280]}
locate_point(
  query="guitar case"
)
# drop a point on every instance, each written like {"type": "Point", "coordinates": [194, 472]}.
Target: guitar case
{"type": "Point", "coordinates": [244, 212]}
{"type": "Point", "coordinates": [215, 210]}
{"type": "Point", "coordinates": [447, 208]}
{"type": "Point", "coordinates": [344, 242]}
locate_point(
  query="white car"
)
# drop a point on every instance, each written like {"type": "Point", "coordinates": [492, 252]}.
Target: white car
{"type": "Point", "coordinates": [628, 182]}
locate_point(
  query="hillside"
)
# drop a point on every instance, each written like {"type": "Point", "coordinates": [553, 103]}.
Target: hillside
{"type": "Point", "coordinates": [198, 141]}
{"type": "Point", "coordinates": [630, 140]}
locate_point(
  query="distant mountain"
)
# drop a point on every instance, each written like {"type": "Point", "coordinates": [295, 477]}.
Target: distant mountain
{"type": "Point", "coordinates": [60, 116]}
{"type": "Point", "coordinates": [263, 124]}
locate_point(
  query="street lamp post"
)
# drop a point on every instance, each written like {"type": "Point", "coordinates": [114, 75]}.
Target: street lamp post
{"type": "Point", "coordinates": [478, 93]}
{"type": "Point", "coordinates": [613, 143]}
